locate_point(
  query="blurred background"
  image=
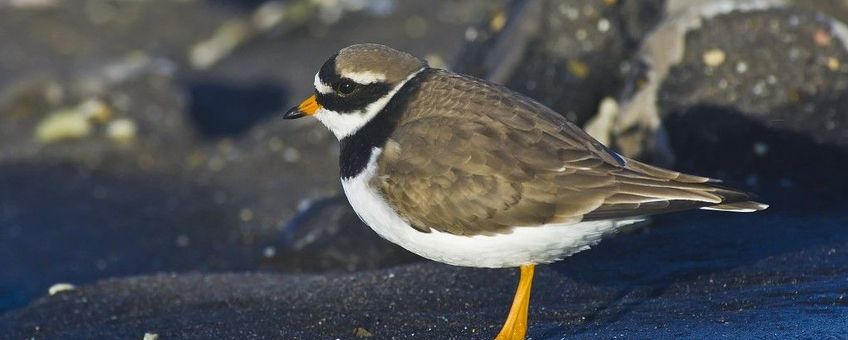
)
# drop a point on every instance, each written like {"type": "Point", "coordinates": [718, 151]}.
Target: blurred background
{"type": "Point", "coordinates": [140, 137]}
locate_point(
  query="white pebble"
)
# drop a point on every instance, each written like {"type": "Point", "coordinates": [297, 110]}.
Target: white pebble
{"type": "Point", "coordinates": [771, 79]}
{"type": "Point", "coordinates": [229, 35]}
{"type": "Point", "coordinates": [794, 20]}
{"type": "Point", "coordinates": [60, 288]}
{"type": "Point", "coordinates": [741, 67]}
{"type": "Point", "coordinates": [603, 25]}
{"type": "Point", "coordinates": [761, 149]}
{"type": "Point", "coordinates": [150, 336]}
{"type": "Point", "coordinates": [759, 88]}
{"type": "Point", "coordinates": [303, 205]}
{"type": "Point", "coordinates": [121, 130]}
{"type": "Point", "coordinates": [714, 57]}
{"type": "Point", "coordinates": [62, 125]}
{"type": "Point", "coordinates": [269, 15]}
{"type": "Point", "coordinates": [291, 155]}
{"type": "Point", "coordinates": [269, 251]}
{"type": "Point", "coordinates": [246, 215]}
{"type": "Point", "coordinates": [471, 34]}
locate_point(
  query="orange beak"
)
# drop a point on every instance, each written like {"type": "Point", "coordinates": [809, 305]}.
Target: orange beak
{"type": "Point", "coordinates": [307, 107]}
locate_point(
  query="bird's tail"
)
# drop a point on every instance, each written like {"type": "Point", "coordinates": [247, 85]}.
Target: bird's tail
{"type": "Point", "coordinates": [702, 192]}
{"type": "Point", "coordinates": [736, 201]}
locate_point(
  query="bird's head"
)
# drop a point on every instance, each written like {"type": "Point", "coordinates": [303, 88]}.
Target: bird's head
{"type": "Point", "coordinates": [355, 84]}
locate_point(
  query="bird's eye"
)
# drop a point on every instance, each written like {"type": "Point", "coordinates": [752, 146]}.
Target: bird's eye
{"type": "Point", "coordinates": [346, 87]}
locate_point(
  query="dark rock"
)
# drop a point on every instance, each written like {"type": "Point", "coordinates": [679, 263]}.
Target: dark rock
{"type": "Point", "coordinates": [567, 54]}
{"type": "Point", "coordinates": [752, 95]}
{"type": "Point", "coordinates": [697, 275]}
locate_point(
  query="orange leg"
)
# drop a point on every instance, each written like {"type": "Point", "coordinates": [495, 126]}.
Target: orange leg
{"type": "Point", "coordinates": [515, 326]}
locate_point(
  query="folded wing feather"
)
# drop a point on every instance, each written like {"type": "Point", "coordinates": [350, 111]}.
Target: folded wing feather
{"type": "Point", "coordinates": [488, 160]}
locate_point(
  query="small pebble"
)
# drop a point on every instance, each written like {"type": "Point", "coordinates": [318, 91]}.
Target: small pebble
{"type": "Point", "coordinates": [603, 25]}
{"type": "Point", "coordinates": [821, 37]}
{"type": "Point", "coordinates": [60, 288]}
{"type": "Point", "coordinates": [794, 20]}
{"type": "Point", "coordinates": [741, 67]}
{"type": "Point", "coordinates": [291, 155]}
{"type": "Point", "coordinates": [771, 79]}
{"type": "Point", "coordinates": [62, 125]}
{"type": "Point", "coordinates": [95, 109]}
{"type": "Point", "coordinates": [72, 123]}
{"type": "Point", "coordinates": [304, 204]}
{"type": "Point", "coordinates": [246, 215]}
{"type": "Point", "coordinates": [714, 57]}
{"type": "Point", "coordinates": [269, 15]}
{"type": "Point", "coordinates": [578, 68]}
{"type": "Point", "coordinates": [570, 12]}
{"type": "Point", "coordinates": [229, 35]}
{"type": "Point", "coordinates": [360, 332]}
{"type": "Point", "coordinates": [498, 21]}
{"type": "Point", "coordinates": [760, 149]}
{"type": "Point", "coordinates": [759, 88]}
{"type": "Point", "coordinates": [121, 130]}
{"type": "Point", "coordinates": [471, 34]}
{"type": "Point", "coordinates": [833, 64]}
{"type": "Point", "coordinates": [269, 252]}
{"type": "Point", "coordinates": [150, 336]}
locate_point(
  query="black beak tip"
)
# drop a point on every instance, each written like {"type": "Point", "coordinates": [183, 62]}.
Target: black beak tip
{"type": "Point", "coordinates": [293, 113]}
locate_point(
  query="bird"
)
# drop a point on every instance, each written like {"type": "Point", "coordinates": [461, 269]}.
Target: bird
{"type": "Point", "coordinates": [469, 173]}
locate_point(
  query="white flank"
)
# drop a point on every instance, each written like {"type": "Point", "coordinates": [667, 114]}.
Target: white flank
{"type": "Point", "coordinates": [346, 123]}
{"type": "Point", "coordinates": [524, 245]}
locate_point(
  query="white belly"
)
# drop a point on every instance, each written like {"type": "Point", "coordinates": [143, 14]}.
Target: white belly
{"type": "Point", "coordinates": [524, 245]}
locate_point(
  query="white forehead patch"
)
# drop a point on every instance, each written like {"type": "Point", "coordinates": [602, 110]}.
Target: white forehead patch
{"type": "Point", "coordinates": [320, 86]}
{"type": "Point", "coordinates": [364, 78]}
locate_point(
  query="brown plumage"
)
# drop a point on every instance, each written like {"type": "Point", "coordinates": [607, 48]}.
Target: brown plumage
{"type": "Point", "coordinates": [468, 157]}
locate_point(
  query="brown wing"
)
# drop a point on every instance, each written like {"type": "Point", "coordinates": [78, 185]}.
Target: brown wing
{"type": "Point", "coordinates": [472, 158]}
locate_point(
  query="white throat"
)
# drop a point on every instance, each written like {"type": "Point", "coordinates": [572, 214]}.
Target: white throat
{"type": "Point", "coordinates": [347, 123]}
